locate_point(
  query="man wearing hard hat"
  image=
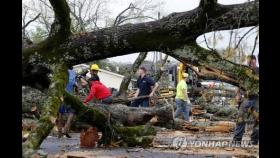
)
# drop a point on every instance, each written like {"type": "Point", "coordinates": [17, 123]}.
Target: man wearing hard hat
{"type": "Point", "coordinates": [94, 68]}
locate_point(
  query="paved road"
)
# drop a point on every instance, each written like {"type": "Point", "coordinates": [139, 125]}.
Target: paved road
{"type": "Point", "coordinates": [53, 146]}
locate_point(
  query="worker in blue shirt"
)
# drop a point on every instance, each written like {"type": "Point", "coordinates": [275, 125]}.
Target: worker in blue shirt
{"type": "Point", "coordinates": [145, 86]}
{"type": "Point", "coordinates": [63, 128]}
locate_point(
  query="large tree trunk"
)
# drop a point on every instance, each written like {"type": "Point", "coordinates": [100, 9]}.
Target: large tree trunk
{"type": "Point", "coordinates": [126, 80]}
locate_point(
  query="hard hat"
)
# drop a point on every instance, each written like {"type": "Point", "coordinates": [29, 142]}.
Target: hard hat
{"type": "Point", "coordinates": [94, 67]}
{"type": "Point", "coordinates": [185, 75]}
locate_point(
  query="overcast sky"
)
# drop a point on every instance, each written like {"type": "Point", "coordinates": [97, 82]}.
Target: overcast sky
{"type": "Point", "coordinates": [170, 6]}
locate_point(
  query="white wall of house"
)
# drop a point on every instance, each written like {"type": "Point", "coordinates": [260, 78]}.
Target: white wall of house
{"type": "Point", "coordinates": [110, 79]}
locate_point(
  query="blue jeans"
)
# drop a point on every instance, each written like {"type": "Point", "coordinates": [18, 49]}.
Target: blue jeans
{"type": "Point", "coordinates": [182, 107]}
{"type": "Point", "coordinates": [107, 100]}
{"type": "Point", "coordinates": [140, 102]}
{"type": "Point", "coordinates": [65, 109]}
{"type": "Point", "coordinates": [243, 114]}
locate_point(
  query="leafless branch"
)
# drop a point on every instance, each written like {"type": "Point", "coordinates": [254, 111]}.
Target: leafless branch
{"type": "Point", "coordinates": [30, 21]}
{"type": "Point", "coordinates": [88, 8]}
{"type": "Point", "coordinates": [119, 17]}
{"type": "Point", "coordinates": [250, 34]}
{"type": "Point", "coordinates": [214, 40]}
{"type": "Point", "coordinates": [244, 36]}
{"type": "Point", "coordinates": [24, 14]}
{"type": "Point", "coordinates": [255, 43]}
{"type": "Point", "coordinates": [205, 40]}
{"type": "Point", "coordinates": [85, 13]}
{"type": "Point", "coordinates": [230, 38]}
{"type": "Point", "coordinates": [137, 17]}
{"type": "Point", "coordinates": [96, 15]}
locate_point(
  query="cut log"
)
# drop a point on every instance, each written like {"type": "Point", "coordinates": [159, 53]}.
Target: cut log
{"type": "Point", "coordinates": [197, 110]}
{"type": "Point", "coordinates": [130, 116]}
{"type": "Point", "coordinates": [111, 118]}
{"type": "Point", "coordinates": [208, 126]}
{"type": "Point", "coordinates": [226, 111]}
{"type": "Point", "coordinates": [126, 101]}
{"type": "Point", "coordinates": [221, 126]}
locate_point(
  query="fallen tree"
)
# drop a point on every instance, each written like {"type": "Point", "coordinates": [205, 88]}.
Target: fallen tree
{"type": "Point", "coordinates": [205, 125]}
{"type": "Point", "coordinates": [175, 34]}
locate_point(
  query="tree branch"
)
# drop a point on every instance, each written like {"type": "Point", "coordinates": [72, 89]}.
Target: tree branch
{"type": "Point", "coordinates": [60, 29]}
{"type": "Point", "coordinates": [244, 36]}
{"type": "Point", "coordinates": [230, 72]}
{"type": "Point", "coordinates": [255, 44]}
{"type": "Point", "coordinates": [118, 18]}
{"type": "Point", "coordinates": [137, 17]}
{"type": "Point", "coordinates": [30, 21]}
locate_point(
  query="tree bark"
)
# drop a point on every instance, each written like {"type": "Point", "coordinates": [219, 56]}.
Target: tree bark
{"type": "Point", "coordinates": [118, 113]}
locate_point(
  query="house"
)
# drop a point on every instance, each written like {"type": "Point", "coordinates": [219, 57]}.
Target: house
{"type": "Point", "coordinates": [108, 78]}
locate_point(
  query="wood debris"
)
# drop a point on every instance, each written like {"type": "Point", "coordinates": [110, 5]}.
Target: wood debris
{"type": "Point", "coordinates": [89, 138]}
